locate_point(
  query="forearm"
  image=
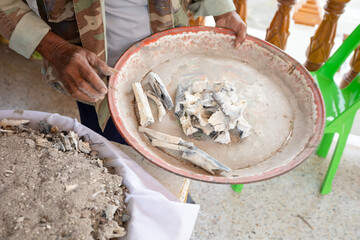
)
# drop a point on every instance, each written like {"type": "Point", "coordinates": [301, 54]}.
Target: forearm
{"type": "Point", "coordinates": [21, 26]}
{"type": "Point", "coordinates": [50, 44]}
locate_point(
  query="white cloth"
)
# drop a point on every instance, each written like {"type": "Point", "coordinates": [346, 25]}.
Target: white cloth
{"type": "Point", "coordinates": [127, 21]}
{"type": "Point", "coordinates": [155, 212]}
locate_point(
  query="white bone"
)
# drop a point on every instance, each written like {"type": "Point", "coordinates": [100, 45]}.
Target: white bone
{"type": "Point", "coordinates": [157, 143]}
{"type": "Point", "coordinates": [187, 126]}
{"type": "Point", "coordinates": [159, 105]}
{"type": "Point", "coordinates": [160, 136]}
{"type": "Point", "coordinates": [159, 89]}
{"type": "Point", "coordinates": [142, 102]}
{"type": "Point", "coordinates": [205, 161]}
{"type": "Point", "coordinates": [223, 137]}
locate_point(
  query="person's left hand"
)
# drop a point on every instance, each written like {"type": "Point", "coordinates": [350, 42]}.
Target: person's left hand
{"type": "Point", "coordinates": [232, 21]}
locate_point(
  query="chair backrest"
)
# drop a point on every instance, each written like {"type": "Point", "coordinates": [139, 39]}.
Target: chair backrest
{"type": "Point", "coordinates": [340, 103]}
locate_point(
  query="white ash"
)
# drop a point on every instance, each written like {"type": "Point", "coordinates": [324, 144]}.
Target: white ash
{"type": "Point", "coordinates": [48, 183]}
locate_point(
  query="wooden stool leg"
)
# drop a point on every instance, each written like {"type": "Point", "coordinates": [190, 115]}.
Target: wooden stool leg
{"type": "Point", "coordinates": [323, 40]}
{"type": "Point", "coordinates": [278, 32]}
{"type": "Point", "coordinates": [237, 187]}
{"type": "Point", "coordinates": [324, 145]}
{"type": "Point", "coordinates": [355, 69]}
{"type": "Point", "coordinates": [241, 8]}
{"type": "Point", "coordinates": [200, 21]}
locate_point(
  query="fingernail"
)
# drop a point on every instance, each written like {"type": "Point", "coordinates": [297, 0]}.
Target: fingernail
{"type": "Point", "coordinates": [103, 91]}
{"type": "Point", "coordinates": [114, 70]}
{"type": "Point", "coordinates": [237, 46]}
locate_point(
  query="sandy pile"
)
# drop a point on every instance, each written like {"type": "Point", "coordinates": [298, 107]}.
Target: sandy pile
{"type": "Point", "coordinates": [52, 186]}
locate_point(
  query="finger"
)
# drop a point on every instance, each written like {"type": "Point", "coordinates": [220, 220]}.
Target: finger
{"type": "Point", "coordinates": [85, 87]}
{"type": "Point", "coordinates": [100, 65]}
{"type": "Point", "coordinates": [240, 35]}
{"type": "Point", "coordinates": [75, 92]}
{"type": "Point", "coordinates": [104, 68]}
{"type": "Point", "coordinates": [89, 74]}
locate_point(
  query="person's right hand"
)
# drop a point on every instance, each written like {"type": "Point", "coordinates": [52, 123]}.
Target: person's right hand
{"type": "Point", "coordinates": [79, 69]}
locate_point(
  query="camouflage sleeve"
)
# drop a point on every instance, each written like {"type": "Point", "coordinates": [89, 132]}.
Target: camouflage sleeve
{"type": "Point", "coordinates": [21, 26]}
{"type": "Point", "coordinates": [211, 7]}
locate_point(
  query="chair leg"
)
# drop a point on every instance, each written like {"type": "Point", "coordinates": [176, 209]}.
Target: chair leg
{"type": "Point", "coordinates": [330, 174]}
{"type": "Point", "coordinates": [325, 144]}
{"type": "Point", "coordinates": [237, 187]}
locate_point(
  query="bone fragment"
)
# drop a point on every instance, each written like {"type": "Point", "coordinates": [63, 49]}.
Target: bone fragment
{"type": "Point", "coordinates": [160, 136]}
{"type": "Point", "coordinates": [84, 147]}
{"type": "Point", "coordinates": [159, 89]}
{"type": "Point", "coordinates": [190, 152]}
{"type": "Point", "coordinates": [111, 230]}
{"type": "Point", "coordinates": [230, 105]}
{"type": "Point", "coordinates": [66, 142]}
{"type": "Point", "coordinates": [74, 138]}
{"type": "Point", "coordinates": [6, 131]}
{"type": "Point", "coordinates": [69, 188]}
{"type": "Point", "coordinates": [157, 143]}
{"type": "Point", "coordinates": [59, 146]}
{"type": "Point", "coordinates": [205, 161]}
{"type": "Point", "coordinates": [191, 98]}
{"type": "Point", "coordinates": [110, 211]}
{"type": "Point", "coordinates": [146, 116]}
{"type": "Point", "coordinates": [243, 127]}
{"type": "Point", "coordinates": [163, 137]}
{"type": "Point", "coordinates": [218, 121]}
{"type": "Point", "coordinates": [207, 130]}
{"type": "Point", "coordinates": [159, 105]}
{"type": "Point", "coordinates": [223, 137]}
{"type": "Point", "coordinates": [187, 126]}
{"type": "Point", "coordinates": [5, 122]}
{"type": "Point", "coordinates": [179, 99]}
{"type": "Point", "coordinates": [212, 109]}
{"type": "Point", "coordinates": [200, 86]}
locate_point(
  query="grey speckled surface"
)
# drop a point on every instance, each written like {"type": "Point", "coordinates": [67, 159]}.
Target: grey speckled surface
{"type": "Point", "coordinates": [286, 207]}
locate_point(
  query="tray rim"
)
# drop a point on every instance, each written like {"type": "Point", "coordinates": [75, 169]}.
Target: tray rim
{"type": "Point", "coordinates": [301, 157]}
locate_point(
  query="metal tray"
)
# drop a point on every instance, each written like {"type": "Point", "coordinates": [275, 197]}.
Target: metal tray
{"type": "Point", "coordinates": [285, 107]}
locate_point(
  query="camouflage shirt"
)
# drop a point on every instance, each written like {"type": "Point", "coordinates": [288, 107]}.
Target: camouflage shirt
{"type": "Point", "coordinates": [82, 22]}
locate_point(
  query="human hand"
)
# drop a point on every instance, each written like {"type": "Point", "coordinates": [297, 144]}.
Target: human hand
{"type": "Point", "coordinates": [79, 69]}
{"type": "Point", "coordinates": [232, 21]}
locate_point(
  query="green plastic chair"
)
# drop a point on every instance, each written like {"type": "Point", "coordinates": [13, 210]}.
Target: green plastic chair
{"type": "Point", "coordinates": [341, 106]}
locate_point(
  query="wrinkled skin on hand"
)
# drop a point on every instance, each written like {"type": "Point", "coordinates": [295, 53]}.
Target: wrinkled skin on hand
{"type": "Point", "coordinates": [233, 21]}
{"type": "Point", "coordinates": [79, 69]}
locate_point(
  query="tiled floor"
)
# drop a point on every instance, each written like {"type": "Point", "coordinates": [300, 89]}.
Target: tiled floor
{"type": "Point", "coordinates": [286, 207]}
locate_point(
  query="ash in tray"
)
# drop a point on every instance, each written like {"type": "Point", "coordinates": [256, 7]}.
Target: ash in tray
{"type": "Point", "coordinates": [211, 109]}
{"type": "Point", "coordinates": [203, 108]}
